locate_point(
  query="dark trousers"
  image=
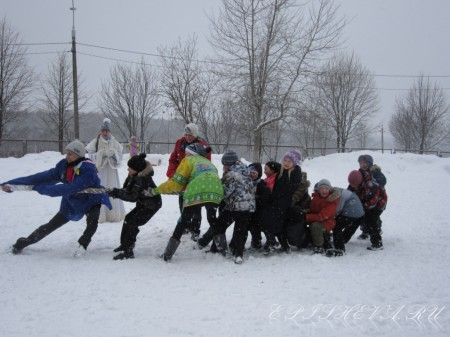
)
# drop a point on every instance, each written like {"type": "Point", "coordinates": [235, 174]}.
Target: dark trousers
{"type": "Point", "coordinates": [372, 219]}
{"type": "Point", "coordinates": [138, 216]}
{"type": "Point", "coordinates": [187, 214]}
{"type": "Point", "coordinates": [195, 221]}
{"type": "Point", "coordinates": [344, 230]}
{"type": "Point", "coordinates": [59, 220]}
{"type": "Point", "coordinates": [255, 229]}
{"type": "Point", "coordinates": [241, 221]}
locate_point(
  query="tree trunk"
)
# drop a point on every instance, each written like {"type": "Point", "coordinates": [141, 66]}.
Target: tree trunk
{"type": "Point", "coordinates": [257, 146]}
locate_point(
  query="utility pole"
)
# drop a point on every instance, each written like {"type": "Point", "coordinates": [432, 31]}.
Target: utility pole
{"type": "Point", "coordinates": [75, 76]}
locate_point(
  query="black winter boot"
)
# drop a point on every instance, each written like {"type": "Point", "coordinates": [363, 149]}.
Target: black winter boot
{"type": "Point", "coordinates": [221, 243]}
{"type": "Point", "coordinates": [118, 249]}
{"type": "Point", "coordinates": [126, 254]}
{"type": "Point", "coordinates": [171, 248]}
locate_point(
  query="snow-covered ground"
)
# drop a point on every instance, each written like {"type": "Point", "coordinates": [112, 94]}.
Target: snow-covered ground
{"type": "Point", "coordinates": [400, 291]}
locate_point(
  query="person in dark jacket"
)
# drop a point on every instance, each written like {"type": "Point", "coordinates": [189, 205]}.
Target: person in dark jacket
{"type": "Point", "coordinates": [296, 232]}
{"type": "Point", "coordinates": [139, 180]}
{"type": "Point", "coordinates": [369, 172]}
{"type": "Point", "coordinates": [190, 136]}
{"type": "Point", "coordinates": [70, 176]}
{"type": "Point", "coordinates": [374, 199]}
{"type": "Point", "coordinates": [262, 197]}
{"type": "Point", "coordinates": [287, 182]}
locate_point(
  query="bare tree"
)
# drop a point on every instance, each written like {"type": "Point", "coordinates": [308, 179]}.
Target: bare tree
{"type": "Point", "coordinates": [16, 77]}
{"type": "Point", "coordinates": [421, 120]}
{"type": "Point", "coordinates": [346, 96]}
{"type": "Point", "coordinates": [185, 83]}
{"type": "Point", "coordinates": [130, 99]}
{"type": "Point", "coordinates": [267, 48]}
{"type": "Point", "coordinates": [57, 98]}
{"type": "Point", "coordinates": [222, 124]}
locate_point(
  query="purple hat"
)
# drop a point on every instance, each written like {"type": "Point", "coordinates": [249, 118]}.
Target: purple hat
{"type": "Point", "coordinates": [294, 155]}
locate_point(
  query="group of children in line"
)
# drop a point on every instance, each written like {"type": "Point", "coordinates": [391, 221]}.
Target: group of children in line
{"type": "Point", "coordinates": [279, 206]}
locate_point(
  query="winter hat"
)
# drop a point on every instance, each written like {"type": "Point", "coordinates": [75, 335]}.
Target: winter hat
{"type": "Point", "coordinates": [106, 125]}
{"type": "Point", "coordinates": [366, 158]}
{"type": "Point", "coordinates": [294, 155]}
{"type": "Point", "coordinates": [197, 148]}
{"type": "Point", "coordinates": [257, 168]}
{"type": "Point", "coordinates": [76, 147]}
{"type": "Point", "coordinates": [191, 129]}
{"type": "Point", "coordinates": [229, 158]}
{"type": "Point", "coordinates": [137, 162]}
{"type": "Point", "coordinates": [274, 166]}
{"type": "Point", "coordinates": [323, 182]}
{"type": "Point", "coordinates": [355, 178]}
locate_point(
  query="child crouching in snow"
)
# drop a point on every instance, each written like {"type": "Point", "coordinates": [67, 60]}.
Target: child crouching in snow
{"type": "Point", "coordinates": [320, 217]}
{"type": "Point", "coordinates": [134, 189]}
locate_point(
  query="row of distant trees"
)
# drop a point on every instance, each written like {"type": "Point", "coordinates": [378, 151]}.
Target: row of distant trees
{"type": "Point", "coordinates": [275, 76]}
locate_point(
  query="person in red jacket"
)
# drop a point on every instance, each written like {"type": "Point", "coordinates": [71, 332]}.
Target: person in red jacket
{"type": "Point", "coordinates": [322, 212]}
{"type": "Point", "coordinates": [190, 136]}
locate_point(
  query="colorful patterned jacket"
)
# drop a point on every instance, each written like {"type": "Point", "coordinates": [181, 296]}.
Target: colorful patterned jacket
{"type": "Point", "coordinates": [199, 180]}
{"type": "Point", "coordinates": [239, 189]}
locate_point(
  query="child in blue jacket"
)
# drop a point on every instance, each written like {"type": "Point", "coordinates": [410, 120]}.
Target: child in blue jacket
{"type": "Point", "coordinates": [70, 176]}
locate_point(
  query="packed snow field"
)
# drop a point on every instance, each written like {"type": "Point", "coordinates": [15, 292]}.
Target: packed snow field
{"type": "Point", "coordinates": [400, 291]}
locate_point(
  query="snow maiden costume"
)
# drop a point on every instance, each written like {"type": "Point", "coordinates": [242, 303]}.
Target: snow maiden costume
{"type": "Point", "coordinates": [106, 152]}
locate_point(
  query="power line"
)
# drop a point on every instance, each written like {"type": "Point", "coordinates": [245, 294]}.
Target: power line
{"type": "Point", "coordinates": [47, 52]}
{"type": "Point", "coordinates": [224, 63]}
{"type": "Point", "coordinates": [119, 60]}
{"type": "Point", "coordinates": [198, 60]}
{"type": "Point", "coordinates": [39, 43]}
{"type": "Point", "coordinates": [145, 53]}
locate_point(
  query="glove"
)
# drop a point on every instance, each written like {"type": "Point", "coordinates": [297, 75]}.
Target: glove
{"type": "Point", "coordinates": [7, 188]}
{"type": "Point", "coordinates": [151, 192]}
{"type": "Point", "coordinates": [114, 193]}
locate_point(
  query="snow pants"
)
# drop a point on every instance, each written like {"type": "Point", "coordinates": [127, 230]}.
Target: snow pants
{"type": "Point", "coordinates": [195, 221]}
{"type": "Point", "coordinates": [137, 217]}
{"type": "Point", "coordinates": [188, 213]}
{"type": "Point", "coordinates": [372, 219]}
{"type": "Point", "coordinates": [344, 230]}
{"type": "Point", "coordinates": [59, 220]}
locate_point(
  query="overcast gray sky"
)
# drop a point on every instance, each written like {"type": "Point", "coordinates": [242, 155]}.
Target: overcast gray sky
{"type": "Point", "coordinates": [391, 37]}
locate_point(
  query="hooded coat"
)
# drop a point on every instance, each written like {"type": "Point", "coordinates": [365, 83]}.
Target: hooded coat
{"type": "Point", "coordinates": [56, 183]}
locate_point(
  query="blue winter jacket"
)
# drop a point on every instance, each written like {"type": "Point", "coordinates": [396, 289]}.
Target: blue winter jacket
{"type": "Point", "coordinates": [54, 184]}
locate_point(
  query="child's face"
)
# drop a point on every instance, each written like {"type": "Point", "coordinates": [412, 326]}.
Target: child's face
{"type": "Point", "coordinates": [324, 191]}
{"type": "Point", "coordinates": [267, 171]}
{"type": "Point", "coordinates": [287, 164]}
{"type": "Point", "coordinates": [132, 172]}
{"type": "Point", "coordinates": [226, 168]}
{"type": "Point", "coordinates": [189, 138]}
{"type": "Point", "coordinates": [254, 175]}
{"type": "Point", "coordinates": [363, 165]}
